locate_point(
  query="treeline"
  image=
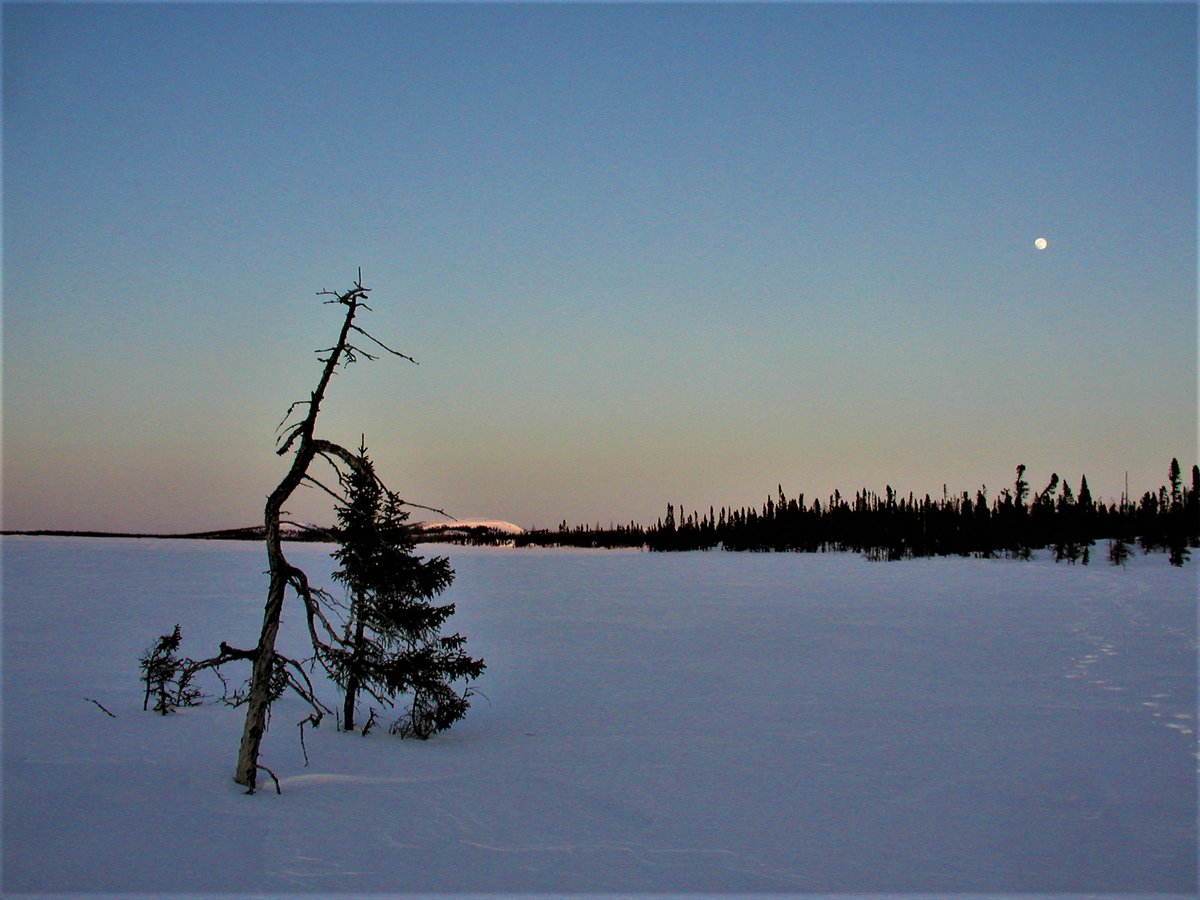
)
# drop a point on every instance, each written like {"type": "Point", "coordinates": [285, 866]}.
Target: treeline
{"type": "Point", "coordinates": [890, 526]}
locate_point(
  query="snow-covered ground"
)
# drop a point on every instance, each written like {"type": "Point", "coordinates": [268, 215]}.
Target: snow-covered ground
{"type": "Point", "coordinates": [711, 723]}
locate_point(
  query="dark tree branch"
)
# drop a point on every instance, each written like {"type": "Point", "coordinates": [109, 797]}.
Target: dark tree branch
{"type": "Point", "coordinates": [289, 438]}
{"type": "Point", "coordinates": [290, 410]}
{"type": "Point", "coordinates": [314, 615]}
{"type": "Point", "coordinates": [440, 512]}
{"type": "Point", "coordinates": [370, 723]}
{"type": "Point", "coordinates": [101, 705]}
{"type": "Point", "coordinates": [332, 493]}
{"type": "Point", "coordinates": [316, 723]}
{"type": "Point", "coordinates": [372, 337]}
{"type": "Point", "coordinates": [304, 690]}
{"type": "Point", "coordinates": [251, 789]}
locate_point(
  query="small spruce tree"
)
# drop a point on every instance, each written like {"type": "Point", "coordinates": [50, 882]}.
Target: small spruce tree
{"type": "Point", "coordinates": [167, 676]}
{"type": "Point", "coordinates": [393, 643]}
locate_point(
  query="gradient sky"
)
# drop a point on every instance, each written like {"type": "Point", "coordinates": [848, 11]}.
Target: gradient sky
{"type": "Point", "coordinates": [643, 253]}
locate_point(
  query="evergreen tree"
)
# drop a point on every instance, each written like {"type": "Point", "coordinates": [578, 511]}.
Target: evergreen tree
{"type": "Point", "coordinates": [1192, 508]}
{"type": "Point", "coordinates": [393, 642]}
{"type": "Point", "coordinates": [1021, 486]}
{"type": "Point", "coordinates": [1085, 495]}
{"type": "Point", "coordinates": [1176, 480]}
{"type": "Point", "coordinates": [168, 677]}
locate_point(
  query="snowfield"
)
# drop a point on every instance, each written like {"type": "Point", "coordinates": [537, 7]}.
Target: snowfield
{"type": "Point", "coordinates": [710, 723]}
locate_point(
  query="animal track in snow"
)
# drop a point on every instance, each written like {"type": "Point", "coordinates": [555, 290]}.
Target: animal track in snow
{"type": "Point", "coordinates": [1095, 667]}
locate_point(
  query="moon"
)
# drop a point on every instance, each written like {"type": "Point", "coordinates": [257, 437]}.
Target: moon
{"type": "Point", "coordinates": [1041, 243]}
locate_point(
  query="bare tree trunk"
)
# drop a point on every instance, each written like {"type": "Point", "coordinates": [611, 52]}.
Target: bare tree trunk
{"type": "Point", "coordinates": [281, 571]}
{"type": "Point", "coordinates": [264, 655]}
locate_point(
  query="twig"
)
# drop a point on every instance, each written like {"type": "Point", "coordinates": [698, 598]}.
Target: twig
{"type": "Point", "coordinates": [101, 705]}
{"type": "Point", "coordinates": [296, 431]}
{"type": "Point", "coordinates": [351, 352]}
{"type": "Point", "coordinates": [290, 410]}
{"type": "Point", "coordinates": [336, 496]}
{"type": "Point", "coordinates": [315, 722]}
{"type": "Point", "coordinates": [274, 777]}
{"type": "Point", "coordinates": [440, 512]}
{"type": "Point", "coordinates": [305, 691]}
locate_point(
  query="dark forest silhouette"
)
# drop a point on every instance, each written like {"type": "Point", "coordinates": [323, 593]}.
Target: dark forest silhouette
{"type": "Point", "coordinates": [1013, 525]}
{"type": "Point", "coordinates": [891, 527]}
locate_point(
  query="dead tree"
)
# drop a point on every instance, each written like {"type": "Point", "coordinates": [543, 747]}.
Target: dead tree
{"type": "Point", "coordinates": [301, 441]}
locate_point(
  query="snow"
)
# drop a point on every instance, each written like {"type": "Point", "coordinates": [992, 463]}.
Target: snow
{"type": "Point", "coordinates": [710, 723]}
{"type": "Point", "coordinates": [467, 524]}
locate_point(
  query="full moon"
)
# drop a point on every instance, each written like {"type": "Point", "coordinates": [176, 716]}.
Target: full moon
{"type": "Point", "coordinates": [1041, 243]}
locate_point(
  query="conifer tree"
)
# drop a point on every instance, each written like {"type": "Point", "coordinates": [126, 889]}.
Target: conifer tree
{"type": "Point", "coordinates": [393, 643]}
{"type": "Point", "coordinates": [1021, 486]}
{"type": "Point", "coordinates": [1085, 495]}
{"type": "Point", "coordinates": [1193, 506]}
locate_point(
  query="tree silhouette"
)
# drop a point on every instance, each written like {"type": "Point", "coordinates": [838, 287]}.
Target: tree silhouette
{"type": "Point", "coordinates": [393, 643]}
{"type": "Point", "coordinates": [333, 639]}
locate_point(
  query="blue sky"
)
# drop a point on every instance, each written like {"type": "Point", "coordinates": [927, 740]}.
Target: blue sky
{"type": "Point", "coordinates": [643, 253]}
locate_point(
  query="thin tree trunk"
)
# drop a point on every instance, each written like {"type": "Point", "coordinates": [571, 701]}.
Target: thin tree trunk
{"type": "Point", "coordinates": [352, 680]}
{"type": "Point", "coordinates": [264, 655]}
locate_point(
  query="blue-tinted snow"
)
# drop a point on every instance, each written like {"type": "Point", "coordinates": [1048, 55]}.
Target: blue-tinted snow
{"type": "Point", "coordinates": [710, 723]}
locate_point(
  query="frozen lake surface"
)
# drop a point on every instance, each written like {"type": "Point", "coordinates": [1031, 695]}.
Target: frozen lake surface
{"type": "Point", "coordinates": [658, 723]}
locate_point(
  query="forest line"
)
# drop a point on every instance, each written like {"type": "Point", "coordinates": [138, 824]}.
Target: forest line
{"type": "Point", "coordinates": [889, 526]}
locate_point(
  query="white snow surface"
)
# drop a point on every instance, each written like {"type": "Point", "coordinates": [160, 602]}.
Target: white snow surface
{"type": "Point", "coordinates": [704, 723]}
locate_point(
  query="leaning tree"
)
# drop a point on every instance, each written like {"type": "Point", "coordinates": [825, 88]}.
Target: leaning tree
{"type": "Point", "coordinates": [306, 447]}
{"type": "Point", "coordinates": [338, 642]}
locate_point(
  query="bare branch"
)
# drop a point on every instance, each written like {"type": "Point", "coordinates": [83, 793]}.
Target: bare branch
{"type": "Point", "coordinates": [332, 493]}
{"type": "Point", "coordinates": [385, 700]}
{"type": "Point", "coordinates": [370, 723]}
{"type": "Point", "coordinates": [101, 705]}
{"type": "Point", "coordinates": [383, 345]}
{"type": "Point", "coordinates": [290, 410]}
{"type": "Point", "coordinates": [328, 449]}
{"type": "Point", "coordinates": [274, 778]}
{"type": "Point", "coordinates": [297, 431]}
{"type": "Point", "coordinates": [315, 722]}
{"type": "Point", "coordinates": [440, 512]}
{"type": "Point", "coordinates": [314, 615]}
{"type": "Point", "coordinates": [306, 690]}
{"type": "Point", "coordinates": [351, 349]}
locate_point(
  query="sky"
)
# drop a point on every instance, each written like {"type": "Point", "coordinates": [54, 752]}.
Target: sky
{"type": "Point", "coordinates": [642, 254]}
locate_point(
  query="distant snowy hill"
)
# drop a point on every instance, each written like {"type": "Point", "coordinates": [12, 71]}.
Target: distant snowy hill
{"type": "Point", "coordinates": [468, 526]}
